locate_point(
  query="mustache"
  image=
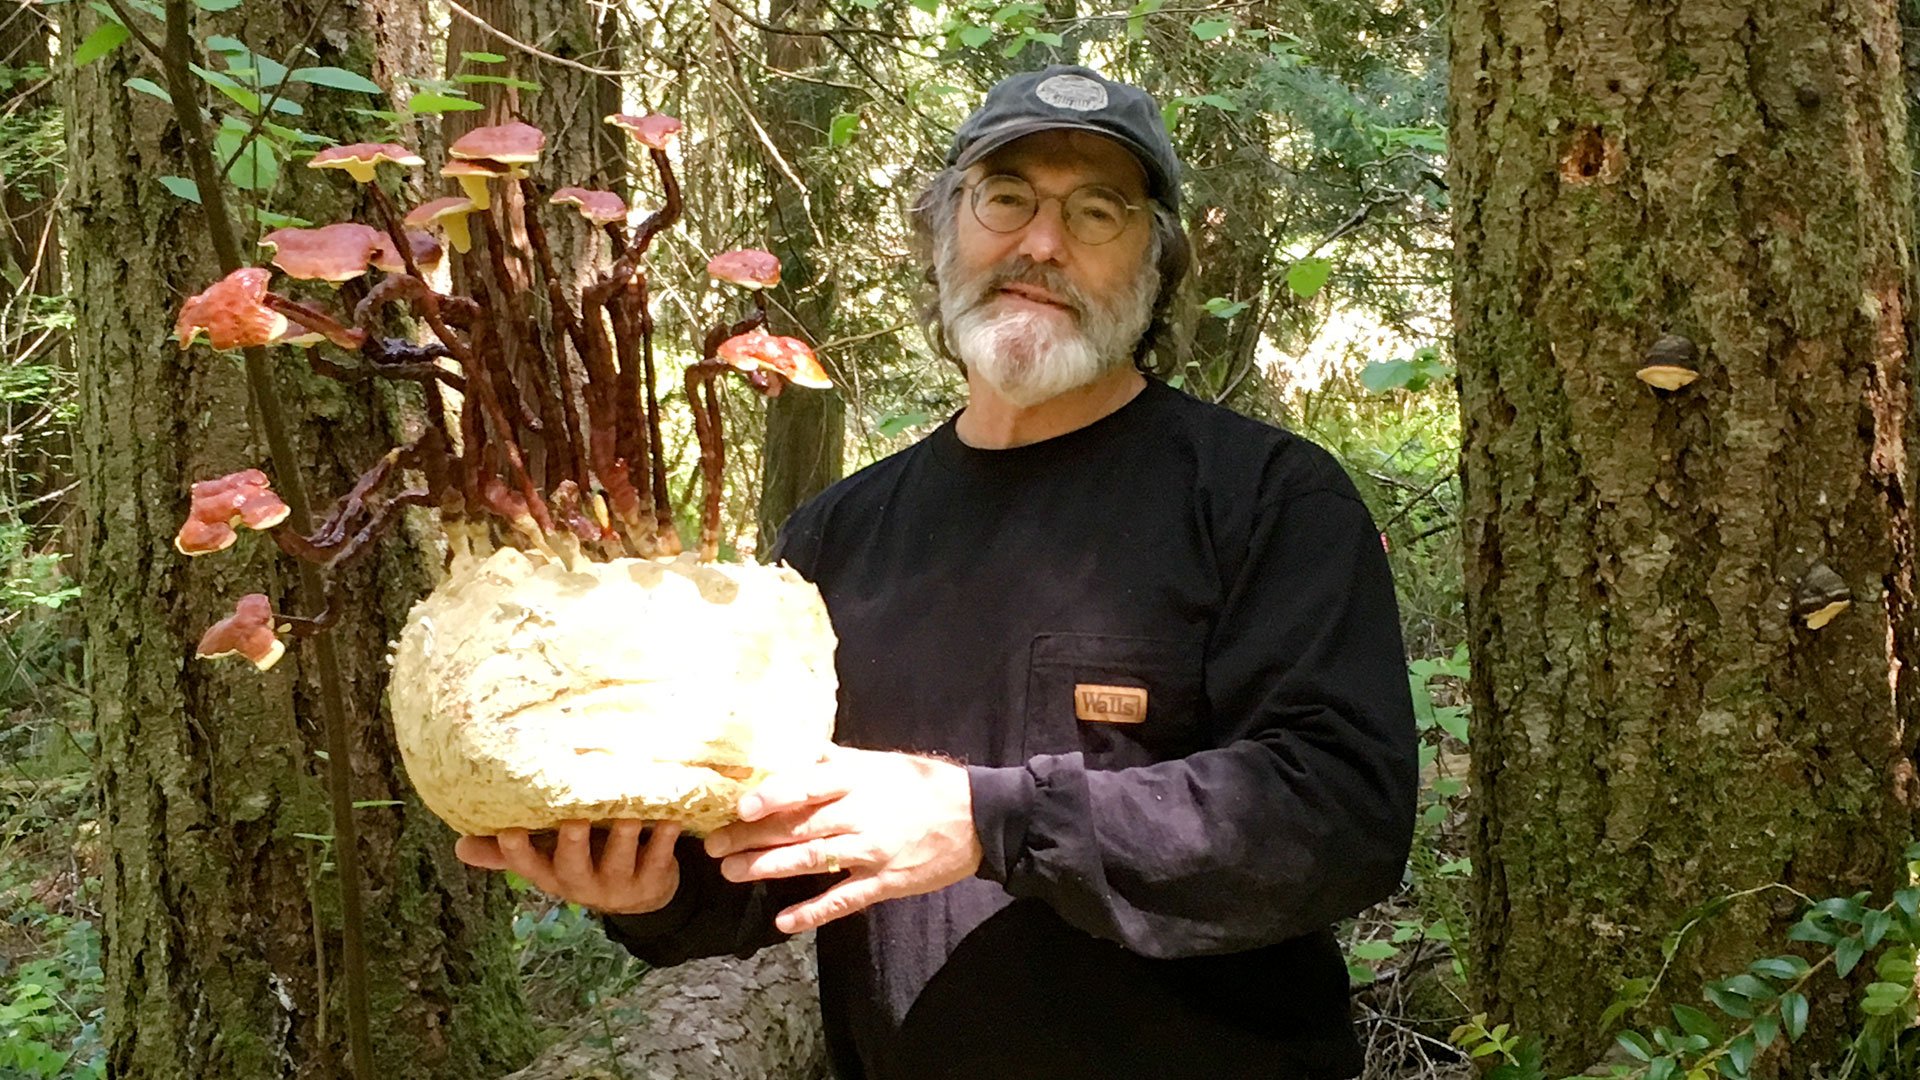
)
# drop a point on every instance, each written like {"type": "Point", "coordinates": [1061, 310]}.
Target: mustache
{"type": "Point", "coordinates": [1027, 272]}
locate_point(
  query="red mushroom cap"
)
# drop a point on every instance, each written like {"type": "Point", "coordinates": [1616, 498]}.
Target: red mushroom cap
{"type": "Point", "coordinates": [599, 207]}
{"type": "Point", "coordinates": [247, 632]}
{"type": "Point", "coordinates": [339, 252]}
{"type": "Point", "coordinates": [231, 312]}
{"type": "Point", "coordinates": [359, 159]}
{"type": "Point", "coordinates": [511, 143]}
{"type": "Point", "coordinates": [655, 130]}
{"type": "Point", "coordinates": [427, 253]}
{"type": "Point", "coordinates": [245, 498]}
{"type": "Point", "coordinates": [748, 267]}
{"type": "Point", "coordinates": [450, 214]}
{"type": "Point", "coordinates": [790, 358]}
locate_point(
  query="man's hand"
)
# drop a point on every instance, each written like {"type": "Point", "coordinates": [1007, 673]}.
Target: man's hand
{"type": "Point", "coordinates": [628, 879]}
{"type": "Point", "coordinates": [899, 824]}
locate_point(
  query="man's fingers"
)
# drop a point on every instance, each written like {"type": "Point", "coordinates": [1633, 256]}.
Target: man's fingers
{"type": "Point", "coordinates": [792, 860]}
{"type": "Point", "coordinates": [659, 853]}
{"type": "Point", "coordinates": [522, 859]}
{"type": "Point", "coordinates": [845, 898]}
{"type": "Point", "coordinates": [479, 851]}
{"type": "Point", "coordinates": [573, 855]}
{"type": "Point", "coordinates": [812, 822]}
{"type": "Point", "coordinates": [621, 850]}
{"type": "Point", "coordinates": [793, 789]}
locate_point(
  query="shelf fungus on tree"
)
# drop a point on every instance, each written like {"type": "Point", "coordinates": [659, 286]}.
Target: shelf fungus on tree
{"type": "Point", "coordinates": [1669, 363]}
{"type": "Point", "coordinates": [522, 693]}
{"type": "Point", "coordinates": [655, 131]}
{"type": "Point", "coordinates": [1821, 596]}
{"type": "Point", "coordinates": [241, 498]}
{"type": "Point", "coordinates": [248, 632]}
{"type": "Point", "coordinates": [749, 268]}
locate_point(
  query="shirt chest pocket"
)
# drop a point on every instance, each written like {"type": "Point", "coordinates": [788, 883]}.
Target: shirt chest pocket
{"type": "Point", "coordinates": [1122, 701]}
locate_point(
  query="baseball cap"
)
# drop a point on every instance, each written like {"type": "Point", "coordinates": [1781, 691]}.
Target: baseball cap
{"type": "Point", "coordinates": [1074, 98]}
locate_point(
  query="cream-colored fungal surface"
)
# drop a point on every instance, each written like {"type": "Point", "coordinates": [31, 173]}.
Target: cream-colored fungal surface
{"type": "Point", "coordinates": [526, 693]}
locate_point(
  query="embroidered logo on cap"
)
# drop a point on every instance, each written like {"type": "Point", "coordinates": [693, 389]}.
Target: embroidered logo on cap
{"type": "Point", "coordinates": [1076, 92]}
{"type": "Point", "coordinates": [1098, 704]}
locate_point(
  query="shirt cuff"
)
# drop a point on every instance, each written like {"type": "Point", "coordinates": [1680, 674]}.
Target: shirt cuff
{"type": "Point", "coordinates": [1002, 807]}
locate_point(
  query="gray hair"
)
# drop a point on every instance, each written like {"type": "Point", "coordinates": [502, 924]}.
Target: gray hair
{"type": "Point", "coordinates": [930, 221]}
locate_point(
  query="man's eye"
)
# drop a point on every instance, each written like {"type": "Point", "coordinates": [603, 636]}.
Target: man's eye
{"type": "Point", "coordinates": [1007, 198]}
{"type": "Point", "coordinates": [1104, 215]}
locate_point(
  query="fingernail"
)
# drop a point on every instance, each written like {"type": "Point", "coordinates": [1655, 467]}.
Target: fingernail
{"type": "Point", "coordinates": [750, 806]}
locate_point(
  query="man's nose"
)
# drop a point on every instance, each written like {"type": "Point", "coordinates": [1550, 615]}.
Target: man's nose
{"type": "Point", "coordinates": [1045, 238]}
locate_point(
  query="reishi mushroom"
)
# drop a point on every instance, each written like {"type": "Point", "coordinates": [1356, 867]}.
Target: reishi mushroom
{"type": "Point", "coordinates": [656, 131]}
{"type": "Point", "coordinates": [231, 311]}
{"type": "Point", "coordinates": [450, 214]}
{"type": "Point", "coordinates": [332, 253]}
{"type": "Point", "coordinates": [248, 632]}
{"type": "Point", "coordinates": [241, 498]}
{"type": "Point", "coordinates": [1669, 363]}
{"type": "Point", "coordinates": [790, 358]}
{"type": "Point", "coordinates": [512, 143]}
{"type": "Point", "coordinates": [1821, 596]}
{"type": "Point", "coordinates": [360, 159]}
{"type": "Point", "coordinates": [599, 207]}
{"type": "Point", "coordinates": [427, 253]}
{"type": "Point", "coordinates": [473, 175]}
{"type": "Point", "coordinates": [748, 268]}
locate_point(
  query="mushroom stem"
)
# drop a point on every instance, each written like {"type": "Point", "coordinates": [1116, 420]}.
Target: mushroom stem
{"type": "Point", "coordinates": [316, 320]}
{"type": "Point", "coordinates": [516, 335]}
{"type": "Point", "coordinates": [567, 328]}
{"type": "Point", "coordinates": [630, 416]}
{"type": "Point", "coordinates": [668, 534]}
{"type": "Point", "coordinates": [390, 220]}
{"type": "Point", "coordinates": [703, 397]}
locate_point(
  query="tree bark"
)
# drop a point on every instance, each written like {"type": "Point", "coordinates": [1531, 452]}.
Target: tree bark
{"type": "Point", "coordinates": [718, 1019]}
{"type": "Point", "coordinates": [1654, 724]}
{"type": "Point", "coordinates": [806, 429]}
{"type": "Point", "coordinates": [221, 936]}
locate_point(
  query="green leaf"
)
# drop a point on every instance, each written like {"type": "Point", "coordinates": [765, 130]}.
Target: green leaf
{"type": "Point", "coordinates": [440, 103]}
{"type": "Point", "coordinates": [221, 43]}
{"type": "Point", "coordinates": [1741, 1051]}
{"type": "Point", "coordinates": [894, 425]}
{"type": "Point", "coordinates": [105, 38]}
{"type": "Point", "coordinates": [1218, 102]}
{"type": "Point", "coordinates": [1793, 1014]}
{"type": "Point", "coordinates": [1766, 1028]}
{"type": "Point", "coordinates": [335, 78]}
{"type": "Point", "coordinates": [321, 837]}
{"type": "Point", "coordinates": [1896, 965]}
{"type": "Point", "coordinates": [275, 220]}
{"type": "Point", "coordinates": [1360, 974]}
{"type": "Point", "coordinates": [216, 5]}
{"type": "Point", "coordinates": [1452, 720]}
{"type": "Point", "coordinates": [255, 165]}
{"type": "Point", "coordinates": [931, 7]}
{"type": "Point", "coordinates": [1846, 954]}
{"type": "Point", "coordinates": [151, 88]}
{"type": "Point", "coordinates": [1874, 926]}
{"type": "Point", "coordinates": [1221, 308]}
{"type": "Point", "coordinates": [1382, 376]}
{"type": "Point", "coordinates": [840, 131]}
{"type": "Point", "coordinates": [181, 187]}
{"type": "Point", "coordinates": [483, 57]}
{"type": "Point", "coordinates": [1208, 29]}
{"type": "Point", "coordinates": [497, 80]}
{"type": "Point", "coordinates": [975, 36]}
{"type": "Point", "coordinates": [1306, 277]}
{"type": "Point", "coordinates": [1729, 1002]}
{"type": "Point", "coordinates": [1779, 967]}
{"type": "Point", "coordinates": [1374, 950]}
{"type": "Point", "coordinates": [1695, 1022]}
{"type": "Point", "coordinates": [368, 804]}
{"type": "Point", "coordinates": [1662, 1068]}
{"type": "Point", "coordinates": [1808, 930]}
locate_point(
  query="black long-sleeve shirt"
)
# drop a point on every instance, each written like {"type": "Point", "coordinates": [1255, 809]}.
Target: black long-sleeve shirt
{"type": "Point", "coordinates": [1157, 890]}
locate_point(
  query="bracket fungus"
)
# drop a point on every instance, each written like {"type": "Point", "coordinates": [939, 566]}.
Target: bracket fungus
{"type": "Point", "coordinates": [1821, 596]}
{"type": "Point", "coordinates": [1669, 363]}
{"type": "Point", "coordinates": [248, 632]}
{"type": "Point", "coordinates": [520, 695]}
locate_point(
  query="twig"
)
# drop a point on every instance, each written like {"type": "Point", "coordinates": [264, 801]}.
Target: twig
{"type": "Point", "coordinates": [454, 6]}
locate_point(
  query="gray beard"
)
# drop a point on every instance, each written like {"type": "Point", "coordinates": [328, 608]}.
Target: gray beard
{"type": "Point", "coordinates": [1033, 356]}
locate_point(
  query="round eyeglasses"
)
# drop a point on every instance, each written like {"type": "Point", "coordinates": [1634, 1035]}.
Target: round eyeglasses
{"type": "Point", "coordinates": [1094, 214]}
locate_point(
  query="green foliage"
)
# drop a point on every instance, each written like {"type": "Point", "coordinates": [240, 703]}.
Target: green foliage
{"type": "Point", "coordinates": [50, 1006]}
{"type": "Point", "coordinates": [1743, 1017]}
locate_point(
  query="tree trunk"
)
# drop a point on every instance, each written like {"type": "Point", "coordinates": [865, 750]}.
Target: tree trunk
{"type": "Point", "coordinates": [715, 1019]}
{"type": "Point", "coordinates": [1655, 724]}
{"type": "Point", "coordinates": [806, 429]}
{"type": "Point", "coordinates": [222, 933]}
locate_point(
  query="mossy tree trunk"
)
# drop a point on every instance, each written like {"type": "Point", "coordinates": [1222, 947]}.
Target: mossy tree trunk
{"type": "Point", "coordinates": [1654, 725]}
{"type": "Point", "coordinates": [222, 935]}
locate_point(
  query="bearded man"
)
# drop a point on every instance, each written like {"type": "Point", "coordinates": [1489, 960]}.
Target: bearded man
{"type": "Point", "coordinates": [1124, 716]}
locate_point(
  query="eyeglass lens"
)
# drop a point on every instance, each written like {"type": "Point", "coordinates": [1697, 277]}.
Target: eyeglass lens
{"type": "Point", "coordinates": [1094, 214]}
